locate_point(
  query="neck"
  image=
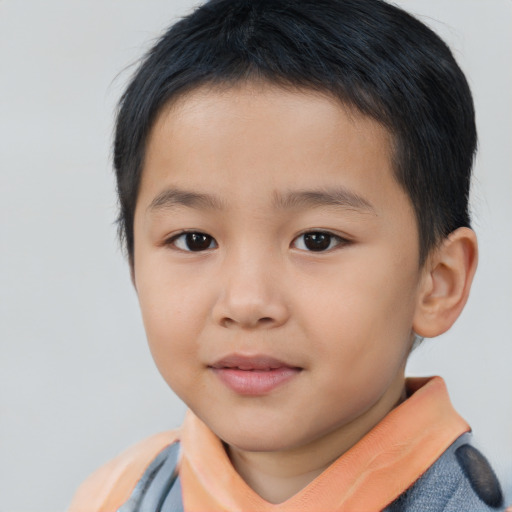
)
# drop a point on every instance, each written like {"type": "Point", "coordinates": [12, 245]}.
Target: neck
{"type": "Point", "coordinates": [277, 476]}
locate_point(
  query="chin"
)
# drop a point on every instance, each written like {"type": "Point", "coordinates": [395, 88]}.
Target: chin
{"type": "Point", "coordinates": [258, 437]}
{"type": "Point", "coordinates": [260, 443]}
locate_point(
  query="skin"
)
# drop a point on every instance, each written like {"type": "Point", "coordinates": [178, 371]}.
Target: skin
{"type": "Point", "coordinates": [343, 316]}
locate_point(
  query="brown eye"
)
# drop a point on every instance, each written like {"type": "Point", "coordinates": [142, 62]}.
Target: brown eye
{"type": "Point", "coordinates": [194, 242]}
{"type": "Point", "coordinates": [317, 241]}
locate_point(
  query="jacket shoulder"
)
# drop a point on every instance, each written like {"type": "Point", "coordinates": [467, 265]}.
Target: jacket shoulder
{"type": "Point", "coordinates": [461, 479]}
{"type": "Point", "coordinates": [111, 485]}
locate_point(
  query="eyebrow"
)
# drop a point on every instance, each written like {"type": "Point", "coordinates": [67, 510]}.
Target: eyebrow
{"type": "Point", "coordinates": [172, 197]}
{"type": "Point", "coordinates": [337, 197]}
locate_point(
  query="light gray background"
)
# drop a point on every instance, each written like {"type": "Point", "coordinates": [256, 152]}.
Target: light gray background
{"type": "Point", "coordinates": [77, 383]}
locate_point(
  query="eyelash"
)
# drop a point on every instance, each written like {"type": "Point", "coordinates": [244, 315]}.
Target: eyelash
{"type": "Point", "coordinates": [331, 237]}
{"type": "Point", "coordinates": [174, 239]}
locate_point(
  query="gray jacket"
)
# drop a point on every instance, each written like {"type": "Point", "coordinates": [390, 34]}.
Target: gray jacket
{"type": "Point", "coordinates": [461, 480]}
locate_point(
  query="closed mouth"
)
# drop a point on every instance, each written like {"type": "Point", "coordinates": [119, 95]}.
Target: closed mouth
{"type": "Point", "coordinates": [259, 363]}
{"type": "Point", "coordinates": [253, 375]}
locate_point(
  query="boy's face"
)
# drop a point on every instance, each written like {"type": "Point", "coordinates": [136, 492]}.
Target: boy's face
{"type": "Point", "coordinates": [286, 312]}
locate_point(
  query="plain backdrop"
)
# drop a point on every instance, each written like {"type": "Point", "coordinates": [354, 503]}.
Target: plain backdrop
{"type": "Point", "coordinates": [77, 383]}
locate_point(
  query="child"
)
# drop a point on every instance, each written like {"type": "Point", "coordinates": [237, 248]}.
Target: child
{"type": "Point", "coordinates": [293, 180]}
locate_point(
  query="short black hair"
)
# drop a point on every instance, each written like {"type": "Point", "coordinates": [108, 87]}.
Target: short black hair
{"type": "Point", "coordinates": [369, 54]}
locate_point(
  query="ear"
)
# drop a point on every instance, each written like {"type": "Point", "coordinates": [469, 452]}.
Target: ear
{"type": "Point", "coordinates": [446, 281]}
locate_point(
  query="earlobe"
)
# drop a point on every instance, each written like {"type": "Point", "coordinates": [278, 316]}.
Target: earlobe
{"type": "Point", "coordinates": [444, 289]}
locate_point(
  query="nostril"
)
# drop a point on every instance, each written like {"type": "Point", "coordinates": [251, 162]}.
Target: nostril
{"type": "Point", "coordinates": [227, 322]}
{"type": "Point", "coordinates": [264, 321]}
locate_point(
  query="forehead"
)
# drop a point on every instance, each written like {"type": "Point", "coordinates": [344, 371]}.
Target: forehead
{"type": "Point", "coordinates": [259, 138]}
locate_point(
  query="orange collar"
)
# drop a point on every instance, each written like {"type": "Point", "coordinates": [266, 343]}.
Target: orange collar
{"type": "Point", "coordinates": [369, 476]}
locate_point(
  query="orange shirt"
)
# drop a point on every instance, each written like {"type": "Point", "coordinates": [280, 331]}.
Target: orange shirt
{"type": "Point", "coordinates": [369, 476]}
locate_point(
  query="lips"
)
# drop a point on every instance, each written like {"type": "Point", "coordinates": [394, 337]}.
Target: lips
{"type": "Point", "coordinates": [259, 363]}
{"type": "Point", "coordinates": [255, 375]}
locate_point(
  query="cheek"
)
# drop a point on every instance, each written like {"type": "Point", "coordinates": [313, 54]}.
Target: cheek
{"type": "Point", "coordinates": [173, 313]}
{"type": "Point", "coordinates": [171, 334]}
{"type": "Point", "coordinates": [364, 311]}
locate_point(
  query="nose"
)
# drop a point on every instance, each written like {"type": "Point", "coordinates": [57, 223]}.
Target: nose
{"type": "Point", "coordinates": [250, 296]}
